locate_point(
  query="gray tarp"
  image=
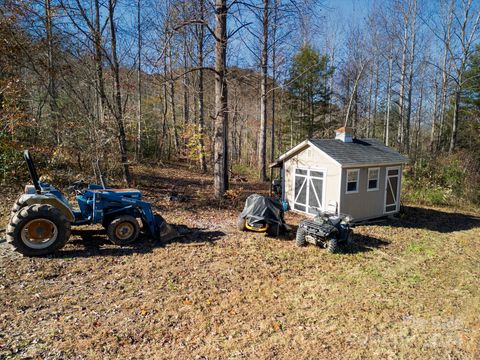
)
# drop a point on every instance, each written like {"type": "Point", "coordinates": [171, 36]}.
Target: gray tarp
{"type": "Point", "coordinates": [261, 209]}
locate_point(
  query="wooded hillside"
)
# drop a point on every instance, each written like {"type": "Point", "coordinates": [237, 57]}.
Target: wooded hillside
{"type": "Point", "coordinates": [228, 86]}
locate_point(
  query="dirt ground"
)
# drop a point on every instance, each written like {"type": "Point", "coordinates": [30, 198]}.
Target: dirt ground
{"type": "Point", "coordinates": [408, 289]}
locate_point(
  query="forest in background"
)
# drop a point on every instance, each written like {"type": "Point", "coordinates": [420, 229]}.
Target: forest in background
{"type": "Point", "coordinates": [229, 85]}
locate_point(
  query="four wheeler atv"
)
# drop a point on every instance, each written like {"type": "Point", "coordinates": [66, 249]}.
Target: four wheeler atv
{"type": "Point", "coordinates": [42, 218]}
{"type": "Point", "coordinates": [262, 214]}
{"type": "Point", "coordinates": [326, 230]}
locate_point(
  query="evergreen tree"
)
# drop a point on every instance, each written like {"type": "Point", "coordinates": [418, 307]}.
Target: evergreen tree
{"type": "Point", "coordinates": [308, 91]}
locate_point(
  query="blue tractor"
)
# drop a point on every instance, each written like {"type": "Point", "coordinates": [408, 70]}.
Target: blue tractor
{"type": "Point", "coordinates": [41, 219]}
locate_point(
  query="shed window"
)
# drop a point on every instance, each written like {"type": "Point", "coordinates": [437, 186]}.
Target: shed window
{"type": "Point", "coordinates": [352, 181]}
{"type": "Point", "coordinates": [373, 175]}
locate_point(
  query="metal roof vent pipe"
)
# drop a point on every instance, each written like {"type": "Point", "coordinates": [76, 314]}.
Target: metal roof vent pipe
{"type": "Point", "coordinates": [344, 134]}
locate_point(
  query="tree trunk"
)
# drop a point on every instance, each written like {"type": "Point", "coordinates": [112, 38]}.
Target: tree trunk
{"type": "Point", "coordinates": [97, 38]}
{"type": "Point", "coordinates": [118, 111]}
{"type": "Point", "coordinates": [369, 112]}
{"type": "Point", "coordinates": [401, 106]}
{"type": "Point", "coordinates": [417, 130]}
{"type": "Point", "coordinates": [52, 87]}
{"type": "Point", "coordinates": [410, 81]}
{"type": "Point", "coordinates": [201, 109]}
{"type": "Point", "coordinates": [446, 40]}
{"type": "Point", "coordinates": [456, 111]}
{"type": "Point", "coordinates": [434, 117]}
{"type": "Point", "coordinates": [172, 98]}
{"type": "Point", "coordinates": [139, 85]}
{"type": "Point", "coordinates": [386, 136]}
{"type": "Point", "coordinates": [375, 99]}
{"type": "Point", "coordinates": [262, 153]}
{"type": "Point", "coordinates": [186, 101]}
{"type": "Point", "coordinates": [221, 101]}
{"type": "Point", "coordinates": [165, 106]}
{"type": "Point", "coordinates": [353, 96]}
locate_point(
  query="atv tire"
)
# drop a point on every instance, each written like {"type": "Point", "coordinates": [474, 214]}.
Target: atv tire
{"type": "Point", "coordinates": [332, 246]}
{"type": "Point", "coordinates": [241, 223]}
{"type": "Point", "coordinates": [300, 237]}
{"type": "Point", "coordinates": [29, 226]}
{"type": "Point", "coordinates": [123, 230]}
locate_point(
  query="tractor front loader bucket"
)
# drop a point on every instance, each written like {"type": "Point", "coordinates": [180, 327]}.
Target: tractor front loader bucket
{"type": "Point", "coordinates": [165, 232]}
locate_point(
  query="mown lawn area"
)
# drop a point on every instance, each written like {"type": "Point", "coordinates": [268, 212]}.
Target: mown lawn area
{"type": "Point", "coordinates": [408, 289]}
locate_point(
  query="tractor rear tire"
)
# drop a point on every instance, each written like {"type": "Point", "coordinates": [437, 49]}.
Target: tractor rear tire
{"type": "Point", "coordinates": [123, 230]}
{"type": "Point", "coordinates": [332, 246]}
{"type": "Point", "coordinates": [241, 223]}
{"type": "Point", "coordinates": [300, 237]}
{"type": "Point", "coordinates": [19, 204]}
{"type": "Point", "coordinates": [37, 230]}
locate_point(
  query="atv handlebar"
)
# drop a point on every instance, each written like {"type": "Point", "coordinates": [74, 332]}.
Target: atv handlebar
{"type": "Point", "coordinates": [33, 172]}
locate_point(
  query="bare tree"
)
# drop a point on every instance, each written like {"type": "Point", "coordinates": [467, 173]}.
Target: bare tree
{"type": "Point", "coordinates": [445, 67]}
{"type": "Point", "coordinates": [220, 160]}
{"type": "Point", "coordinates": [389, 99]}
{"type": "Point", "coordinates": [201, 102]}
{"type": "Point", "coordinates": [470, 18]}
{"type": "Point", "coordinates": [51, 68]}
{"type": "Point", "coordinates": [118, 107]}
{"type": "Point", "coordinates": [139, 83]}
{"type": "Point", "coordinates": [262, 153]}
{"type": "Point", "coordinates": [413, 15]}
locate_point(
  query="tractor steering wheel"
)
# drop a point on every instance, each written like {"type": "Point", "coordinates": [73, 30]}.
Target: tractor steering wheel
{"type": "Point", "coordinates": [78, 186]}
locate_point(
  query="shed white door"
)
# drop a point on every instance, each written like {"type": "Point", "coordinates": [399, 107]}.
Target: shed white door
{"type": "Point", "coordinates": [392, 189]}
{"type": "Point", "coordinates": [308, 190]}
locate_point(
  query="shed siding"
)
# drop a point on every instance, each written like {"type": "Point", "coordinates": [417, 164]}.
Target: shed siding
{"type": "Point", "coordinates": [312, 158]}
{"type": "Point", "coordinates": [364, 204]}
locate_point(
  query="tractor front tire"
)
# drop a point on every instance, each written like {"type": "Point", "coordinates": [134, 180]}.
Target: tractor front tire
{"type": "Point", "coordinates": [37, 230]}
{"type": "Point", "coordinates": [241, 223]}
{"type": "Point", "coordinates": [123, 230]}
{"type": "Point", "coordinates": [332, 246]}
{"type": "Point", "coordinates": [300, 237]}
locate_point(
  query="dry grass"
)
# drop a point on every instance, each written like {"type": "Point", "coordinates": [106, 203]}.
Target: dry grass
{"type": "Point", "coordinates": [408, 289]}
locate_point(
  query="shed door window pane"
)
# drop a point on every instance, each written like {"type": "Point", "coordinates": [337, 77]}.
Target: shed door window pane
{"type": "Point", "coordinates": [308, 195]}
{"type": "Point", "coordinates": [300, 190]}
{"type": "Point", "coordinates": [373, 178]}
{"type": "Point", "coordinates": [392, 187]}
{"type": "Point", "coordinates": [315, 195]}
{"type": "Point", "coordinates": [316, 174]}
{"type": "Point", "coordinates": [352, 180]}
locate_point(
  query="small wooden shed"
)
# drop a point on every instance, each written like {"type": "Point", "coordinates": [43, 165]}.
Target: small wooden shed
{"type": "Point", "coordinates": [358, 177]}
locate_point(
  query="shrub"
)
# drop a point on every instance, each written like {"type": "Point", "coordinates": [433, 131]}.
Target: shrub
{"type": "Point", "coordinates": [11, 161]}
{"type": "Point", "coordinates": [445, 180]}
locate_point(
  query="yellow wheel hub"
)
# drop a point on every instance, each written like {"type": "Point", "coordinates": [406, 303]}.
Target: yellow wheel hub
{"type": "Point", "coordinates": [124, 230]}
{"type": "Point", "coordinates": [40, 230]}
{"type": "Point", "coordinates": [253, 228]}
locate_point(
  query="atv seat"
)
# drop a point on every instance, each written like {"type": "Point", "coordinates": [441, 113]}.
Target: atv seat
{"type": "Point", "coordinates": [335, 220]}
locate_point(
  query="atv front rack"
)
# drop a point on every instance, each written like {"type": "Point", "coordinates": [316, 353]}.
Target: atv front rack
{"type": "Point", "coordinates": [313, 228]}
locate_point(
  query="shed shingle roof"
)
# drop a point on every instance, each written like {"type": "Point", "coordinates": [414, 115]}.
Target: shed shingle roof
{"type": "Point", "coordinates": [359, 152]}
